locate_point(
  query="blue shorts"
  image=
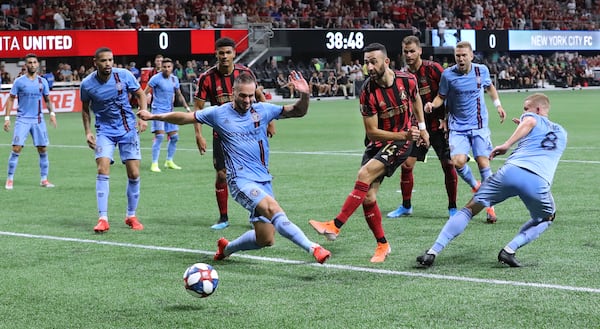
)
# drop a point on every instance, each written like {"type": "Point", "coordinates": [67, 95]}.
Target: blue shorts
{"type": "Point", "coordinates": [129, 146]}
{"type": "Point", "coordinates": [164, 126]}
{"type": "Point", "coordinates": [478, 140]}
{"type": "Point", "coordinates": [249, 194]}
{"type": "Point", "coordinates": [510, 181]}
{"type": "Point", "coordinates": [37, 130]}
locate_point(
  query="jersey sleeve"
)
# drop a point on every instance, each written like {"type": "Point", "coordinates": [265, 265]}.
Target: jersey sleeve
{"type": "Point", "coordinates": [444, 85]}
{"type": "Point", "coordinates": [132, 83]}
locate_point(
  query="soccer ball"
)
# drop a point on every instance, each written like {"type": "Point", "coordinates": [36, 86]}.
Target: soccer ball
{"type": "Point", "coordinates": [200, 280]}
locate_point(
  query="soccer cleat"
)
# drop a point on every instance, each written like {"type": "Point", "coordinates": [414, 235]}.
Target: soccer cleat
{"type": "Point", "coordinates": [327, 229]}
{"type": "Point", "coordinates": [133, 222]}
{"type": "Point", "coordinates": [426, 260]}
{"type": "Point", "coordinates": [381, 252]}
{"type": "Point", "coordinates": [401, 211]}
{"type": "Point", "coordinates": [154, 167]}
{"type": "Point", "coordinates": [491, 215]}
{"type": "Point", "coordinates": [321, 254]}
{"type": "Point", "coordinates": [9, 184]}
{"type": "Point", "coordinates": [220, 225]}
{"type": "Point", "coordinates": [102, 226]}
{"type": "Point", "coordinates": [509, 259]}
{"type": "Point", "coordinates": [452, 212]}
{"type": "Point", "coordinates": [221, 244]}
{"type": "Point", "coordinates": [171, 165]}
{"type": "Point", "coordinates": [476, 187]}
{"type": "Point", "coordinates": [46, 183]}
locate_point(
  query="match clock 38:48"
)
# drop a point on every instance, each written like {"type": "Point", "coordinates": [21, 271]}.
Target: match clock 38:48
{"type": "Point", "coordinates": [345, 40]}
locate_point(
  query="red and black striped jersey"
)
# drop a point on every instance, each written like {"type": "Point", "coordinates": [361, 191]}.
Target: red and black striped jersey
{"type": "Point", "coordinates": [428, 76]}
{"type": "Point", "coordinates": [393, 105]}
{"type": "Point", "coordinates": [216, 88]}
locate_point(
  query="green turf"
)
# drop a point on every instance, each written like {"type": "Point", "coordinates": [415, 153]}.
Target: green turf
{"type": "Point", "coordinates": [49, 283]}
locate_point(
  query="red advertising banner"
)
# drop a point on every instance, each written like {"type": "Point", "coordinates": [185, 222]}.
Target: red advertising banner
{"type": "Point", "coordinates": [65, 100]}
{"type": "Point", "coordinates": [66, 43]}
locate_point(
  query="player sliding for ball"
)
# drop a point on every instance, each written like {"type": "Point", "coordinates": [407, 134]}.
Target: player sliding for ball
{"type": "Point", "coordinates": [242, 126]}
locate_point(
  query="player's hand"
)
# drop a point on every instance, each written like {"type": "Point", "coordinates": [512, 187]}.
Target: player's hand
{"type": "Point", "coordinates": [413, 134]}
{"type": "Point", "coordinates": [144, 115]}
{"type": "Point", "coordinates": [91, 141]}
{"type": "Point", "coordinates": [53, 120]}
{"type": "Point", "coordinates": [501, 113]}
{"type": "Point", "coordinates": [516, 121]}
{"type": "Point", "coordinates": [299, 82]}
{"type": "Point", "coordinates": [444, 127]}
{"type": "Point", "coordinates": [7, 125]}
{"type": "Point", "coordinates": [423, 138]}
{"type": "Point", "coordinates": [201, 143]}
{"type": "Point", "coordinates": [428, 107]}
{"type": "Point", "coordinates": [499, 150]}
{"type": "Point", "coordinates": [142, 125]}
{"type": "Point", "coordinates": [271, 129]}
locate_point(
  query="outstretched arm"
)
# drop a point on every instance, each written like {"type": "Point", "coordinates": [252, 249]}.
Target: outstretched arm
{"type": "Point", "coordinates": [178, 118]}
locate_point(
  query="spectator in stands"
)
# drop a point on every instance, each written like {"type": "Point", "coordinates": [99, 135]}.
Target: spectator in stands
{"type": "Point", "coordinates": [49, 76]}
{"type": "Point", "coordinates": [59, 19]}
{"type": "Point", "coordinates": [344, 84]}
{"type": "Point", "coordinates": [332, 84]}
{"type": "Point", "coordinates": [134, 70]}
{"type": "Point", "coordinates": [190, 72]}
{"type": "Point", "coordinates": [284, 85]}
{"type": "Point", "coordinates": [67, 73]}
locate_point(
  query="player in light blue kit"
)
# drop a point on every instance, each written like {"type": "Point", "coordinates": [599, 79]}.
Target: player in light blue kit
{"type": "Point", "coordinates": [242, 127]}
{"type": "Point", "coordinates": [527, 173]}
{"type": "Point", "coordinates": [164, 87]}
{"type": "Point", "coordinates": [105, 92]}
{"type": "Point", "coordinates": [462, 87]}
{"type": "Point", "coordinates": [30, 89]}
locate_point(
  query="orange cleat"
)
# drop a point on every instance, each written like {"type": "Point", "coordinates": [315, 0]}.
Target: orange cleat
{"type": "Point", "coordinates": [476, 188]}
{"type": "Point", "coordinates": [491, 215]}
{"type": "Point", "coordinates": [102, 226]}
{"type": "Point", "coordinates": [133, 222]}
{"type": "Point", "coordinates": [221, 245]}
{"type": "Point", "coordinates": [327, 229]}
{"type": "Point", "coordinates": [381, 252]}
{"type": "Point", "coordinates": [321, 254]}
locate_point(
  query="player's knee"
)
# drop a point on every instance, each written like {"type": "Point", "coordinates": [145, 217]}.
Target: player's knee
{"type": "Point", "coordinates": [174, 138]}
{"type": "Point", "coordinates": [222, 176]}
{"type": "Point", "coordinates": [407, 167]}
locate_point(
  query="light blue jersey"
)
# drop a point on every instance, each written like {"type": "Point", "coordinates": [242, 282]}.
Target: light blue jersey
{"type": "Point", "coordinates": [30, 94]}
{"type": "Point", "coordinates": [540, 151]}
{"type": "Point", "coordinates": [243, 137]}
{"type": "Point", "coordinates": [110, 101]}
{"type": "Point", "coordinates": [163, 91]}
{"type": "Point", "coordinates": [464, 95]}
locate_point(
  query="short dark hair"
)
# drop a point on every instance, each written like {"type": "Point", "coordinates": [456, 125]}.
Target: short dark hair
{"type": "Point", "coordinates": [30, 55]}
{"type": "Point", "coordinates": [225, 42]}
{"type": "Point", "coordinates": [167, 60]}
{"type": "Point", "coordinates": [102, 50]}
{"type": "Point", "coordinates": [375, 46]}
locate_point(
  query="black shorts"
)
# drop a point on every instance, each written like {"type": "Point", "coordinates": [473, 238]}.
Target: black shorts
{"type": "Point", "coordinates": [392, 155]}
{"type": "Point", "coordinates": [218, 153]}
{"type": "Point", "coordinates": [440, 144]}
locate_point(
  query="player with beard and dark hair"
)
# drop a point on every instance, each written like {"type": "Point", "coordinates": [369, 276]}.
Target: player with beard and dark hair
{"type": "Point", "coordinates": [388, 100]}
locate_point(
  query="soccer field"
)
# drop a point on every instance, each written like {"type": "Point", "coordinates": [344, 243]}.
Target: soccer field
{"type": "Point", "coordinates": [56, 273]}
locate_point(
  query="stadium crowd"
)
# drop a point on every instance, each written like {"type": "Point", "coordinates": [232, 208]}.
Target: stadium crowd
{"type": "Point", "coordinates": [402, 14]}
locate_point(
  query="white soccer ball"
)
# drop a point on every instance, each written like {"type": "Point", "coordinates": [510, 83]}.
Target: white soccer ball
{"type": "Point", "coordinates": [200, 280]}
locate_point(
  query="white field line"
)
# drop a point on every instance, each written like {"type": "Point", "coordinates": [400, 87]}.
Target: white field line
{"type": "Point", "coordinates": [331, 266]}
